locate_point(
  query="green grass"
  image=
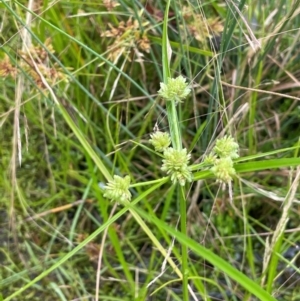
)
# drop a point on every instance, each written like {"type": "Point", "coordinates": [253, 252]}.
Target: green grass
{"type": "Point", "coordinates": [63, 138]}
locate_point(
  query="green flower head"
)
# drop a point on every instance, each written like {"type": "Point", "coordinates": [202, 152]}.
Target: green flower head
{"type": "Point", "coordinates": [223, 170]}
{"type": "Point", "coordinates": [160, 140]}
{"type": "Point", "coordinates": [118, 189]}
{"type": "Point", "coordinates": [210, 159]}
{"type": "Point", "coordinates": [175, 163]}
{"type": "Point", "coordinates": [176, 89]}
{"type": "Point", "coordinates": [226, 147]}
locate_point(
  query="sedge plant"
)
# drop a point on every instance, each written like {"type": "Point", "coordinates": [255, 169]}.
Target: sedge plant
{"type": "Point", "coordinates": [222, 164]}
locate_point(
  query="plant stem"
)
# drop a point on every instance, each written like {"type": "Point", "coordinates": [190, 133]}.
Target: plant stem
{"type": "Point", "coordinates": [184, 251]}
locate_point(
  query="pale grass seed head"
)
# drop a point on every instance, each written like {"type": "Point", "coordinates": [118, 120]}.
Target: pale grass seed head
{"type": "Point", "coordinates": [223, 170]}
{"type": "Point", "coordinates": [176, 89]}
{"type": "Point", "coordinates": [118, 189]}
{"type": "Point", "coordinates": [175, 164]}
{"type": "Point", "coordinates": [160, 140]}
{"type": "Point", "coordinates": [226, 147]}
{"type": "Point", "coordinates": [127, 36]}
{"type": "Point", "coordinates": [6, 68]}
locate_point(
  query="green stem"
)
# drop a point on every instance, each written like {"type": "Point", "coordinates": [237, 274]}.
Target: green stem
{"type": "Point", "coordinates": [174, 125]}
{"type": "Point", "coordinates": [184, 250]}
{"type": "Point", "coordinates": [176, 143]}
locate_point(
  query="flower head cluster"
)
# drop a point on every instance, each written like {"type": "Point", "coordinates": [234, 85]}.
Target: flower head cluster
{"type": "Point", "coordinates": [201, 28]}
{"type": "Point", "coordinates": [223, 169]}
{"type": "Point", "coordinates": [226, 147]}
{"type": "Point", "coordinates": [127, 36]}
{"type": "Point", "coordinates": [6, 68]}
{"type": "Point", "coordinates": [36, 57]}
{"type": "Point", "coordinates": [175, 163]}
{"type": "Point", "coordinates": [225, 150]}
{"type": "Point", "coordinates": [210, 159]}
{"type": "Point", "coordinates": [118, 189]}
{"type": "Point", "coordinates": [176, 89]}
{"type": "Point", "coordinates": [160, 140]}
{"type": "Point", "coordinates": [110, 4]}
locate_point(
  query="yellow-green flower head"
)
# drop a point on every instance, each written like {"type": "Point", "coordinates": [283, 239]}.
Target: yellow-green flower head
{"type": "Point", "coordinates": [118, 189]}
{"type": "Point", "coordinates": [226, 147]}
{"type": "Point", "coordinates": [210, 159]}
{"type": "Point", "coordinates": [223, 170]}
{"type": "Point", "coordinates": [175, 163]}
{"type": "Point", "coordinates": [176, 89]}
{"type": "Point", "coordinates": [160, 140]}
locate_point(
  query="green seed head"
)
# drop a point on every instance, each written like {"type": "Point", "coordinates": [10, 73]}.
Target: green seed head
{"type": "Point", "coordinates": [160, 140]}
{"type": "Point", "coordinates": [175, 164]}
{"type": "Point", "coordinates": [118, 189]}
{"type": "Point", "coordinates": [226, 147]}
{"type": "Point", "coordinates": [223, 170]}
{"type": "Point", "coordinates": [210, 159]}
{"type": "Point", "coordinates": [176, 89]}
